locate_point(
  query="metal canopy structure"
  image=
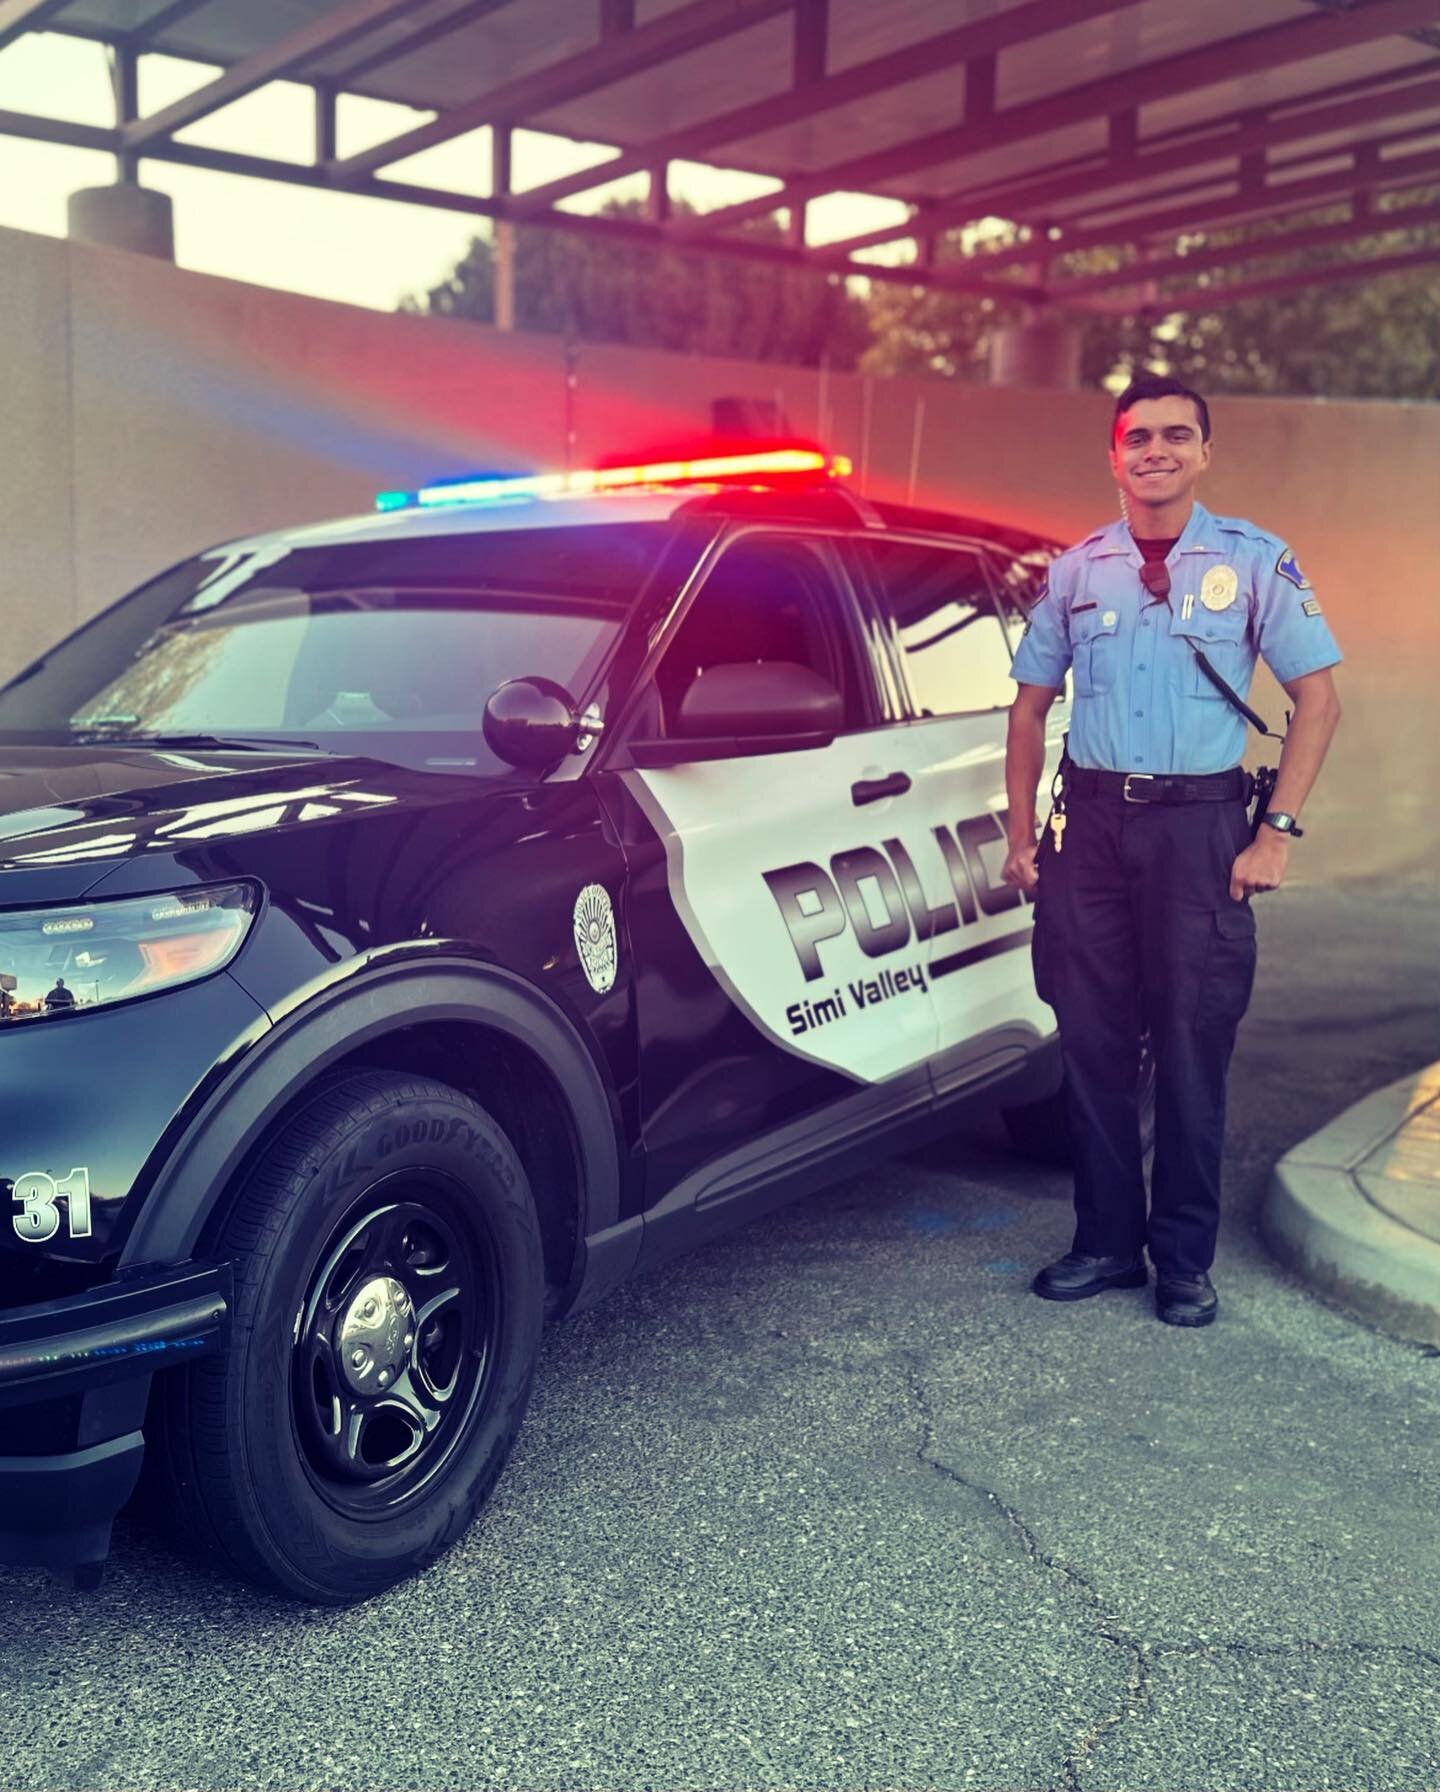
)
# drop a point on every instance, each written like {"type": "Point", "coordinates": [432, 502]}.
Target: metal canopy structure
{"type": "Point", "coordinates": [1124, 124]}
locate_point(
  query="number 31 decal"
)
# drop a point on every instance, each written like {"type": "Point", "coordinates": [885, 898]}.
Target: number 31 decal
{"type": "Point", "coordinates": [39, 1218]}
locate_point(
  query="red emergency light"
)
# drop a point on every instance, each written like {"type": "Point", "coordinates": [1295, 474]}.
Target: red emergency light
{"type": "Point", "coordinates": [758, 467]}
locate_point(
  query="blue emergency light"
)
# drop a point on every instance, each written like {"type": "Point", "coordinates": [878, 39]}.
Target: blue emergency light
{"type": "Point", "coordinates": [479, 488]}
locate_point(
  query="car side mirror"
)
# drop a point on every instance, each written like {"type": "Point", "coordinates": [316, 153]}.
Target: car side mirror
{"type": "Point", "coordinates": [761, 706]}
{"type": "Point", "coordinates": [531, 722]}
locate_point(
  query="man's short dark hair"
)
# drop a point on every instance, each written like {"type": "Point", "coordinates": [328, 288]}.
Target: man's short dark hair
{"type": "Point", "coordinates": [1158, 385]}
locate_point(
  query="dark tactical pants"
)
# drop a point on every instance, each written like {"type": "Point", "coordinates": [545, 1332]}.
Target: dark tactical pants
{"type": "Point", "coordinates": [1135, 929]}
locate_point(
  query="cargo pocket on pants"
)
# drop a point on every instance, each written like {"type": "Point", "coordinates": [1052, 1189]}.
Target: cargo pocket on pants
{"type": "Point", "coordinates": [1040, 961]}
{"type": "Point", "coordinates": [1229, 973]}
{"type": "Point", "coordinates": [1041, 949]}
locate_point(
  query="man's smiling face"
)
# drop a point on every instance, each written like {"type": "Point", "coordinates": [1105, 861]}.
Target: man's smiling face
{"type": "Point", "coordinates": [1156, 453]}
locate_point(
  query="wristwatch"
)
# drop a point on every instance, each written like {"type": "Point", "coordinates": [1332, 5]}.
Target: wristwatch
{"type": "Point", "coordinates": [1283, 822]}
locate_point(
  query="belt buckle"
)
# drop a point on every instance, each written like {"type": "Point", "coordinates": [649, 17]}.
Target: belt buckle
{"type": "Point", "coordinates": [1133, 777]}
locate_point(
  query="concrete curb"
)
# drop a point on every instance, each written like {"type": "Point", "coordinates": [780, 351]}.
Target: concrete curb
{"type": "Point", "coordinates": [1332, 1213]}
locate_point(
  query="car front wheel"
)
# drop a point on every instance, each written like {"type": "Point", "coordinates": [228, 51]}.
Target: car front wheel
{"type": "Point", "coordinates": [389, 1294]}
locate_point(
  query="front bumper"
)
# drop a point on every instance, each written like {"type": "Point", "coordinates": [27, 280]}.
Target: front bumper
{"type": "Point", "coordinates": [74, 1379]}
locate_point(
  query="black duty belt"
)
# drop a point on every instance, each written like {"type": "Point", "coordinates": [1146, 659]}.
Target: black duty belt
{"type": "Point", "coordinates": [1143, 787]}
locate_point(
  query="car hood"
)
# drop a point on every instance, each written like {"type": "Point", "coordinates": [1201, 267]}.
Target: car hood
{"type": "Point", "coordinates": [70, 815]}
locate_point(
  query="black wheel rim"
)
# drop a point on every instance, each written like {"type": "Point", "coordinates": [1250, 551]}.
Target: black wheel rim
{"type": "Point", "coordinates": [396, 1343]}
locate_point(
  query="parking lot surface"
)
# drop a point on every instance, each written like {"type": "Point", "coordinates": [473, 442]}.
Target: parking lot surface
{"type": "Point", "coordinates": [835, 1502]}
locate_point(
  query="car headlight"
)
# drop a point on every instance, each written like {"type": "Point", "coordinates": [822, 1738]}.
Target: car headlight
{"type": "Point", "coordinates": [57, 961]}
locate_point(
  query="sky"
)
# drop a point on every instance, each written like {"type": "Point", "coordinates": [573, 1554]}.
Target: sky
{"type": "Point", "coordinates": [329, 245]}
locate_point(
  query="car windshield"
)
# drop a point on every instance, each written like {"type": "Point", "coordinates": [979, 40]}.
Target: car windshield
{"type": "Point", "coordinates": [389, 650]}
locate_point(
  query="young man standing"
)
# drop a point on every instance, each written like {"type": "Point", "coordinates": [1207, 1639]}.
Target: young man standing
{"type": "Point", "coordinates": [1144, 875]}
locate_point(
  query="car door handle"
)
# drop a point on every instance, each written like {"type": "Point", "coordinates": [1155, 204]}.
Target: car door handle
{"type": "Point", "coordinates": [874, 790]}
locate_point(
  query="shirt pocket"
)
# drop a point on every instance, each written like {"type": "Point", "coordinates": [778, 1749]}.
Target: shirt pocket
{"type": "Point", "coordinates": [1222, 636]}
{"type": "Point", "coordinates": [1095, 650]}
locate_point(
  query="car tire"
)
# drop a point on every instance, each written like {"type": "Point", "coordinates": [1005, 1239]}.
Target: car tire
{"type": "Point", "coordinates": [389, 1298]}
{"type": "Point", "coordinates": [1040, 1130]}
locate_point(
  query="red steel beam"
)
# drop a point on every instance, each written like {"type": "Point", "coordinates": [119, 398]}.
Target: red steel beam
{"type": "Point", "coordinates": [1206, 298]}
{"type": "Point", "coordinates": [692, 27]}
{"type": "Point", "coordinates": [1397, 173]}
{"type": "Point", "coordinates": [331, 31]}
{"type": "Point", "coordinates": [19, 16]}
{"type": "Point", "coordinates": [1273, 46]}
{"type": "Point", "coordinates": [982, 37]}
{"type": "Point", "coordinates": [1398, 102]}
{"type": "Point", "coordinates": [417, 40]}
{"type": "Point", "coordinates": [1368, 84]}
{"type": "Point", "coordinates": [633, 230]}
{"type": "Point", "coordinates": [812, 41]}
{"type": "Point", "coordinates": [158, 22]}
{"type": "Point", "coordinates": [1113, 214]}
{"type": "Point", "coordinates": [1375, 223]}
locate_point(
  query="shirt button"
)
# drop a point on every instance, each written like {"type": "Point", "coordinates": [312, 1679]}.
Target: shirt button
{"type": "Point", "coordinates": [1144, 622]}
{"type": "Point", "coordinates": [1139, 712]}
{"type": "Point", "coordinates": [1141, 666]}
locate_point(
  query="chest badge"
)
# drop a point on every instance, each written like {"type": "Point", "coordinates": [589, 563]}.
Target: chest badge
{"type": "Point", "coordinates": [1218, 588]}
{"type": "Point", "coordinates": [595, 937]}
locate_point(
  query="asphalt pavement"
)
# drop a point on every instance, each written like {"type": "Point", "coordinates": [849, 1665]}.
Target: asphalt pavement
{"type": "Point", "coordinates": [837, 1503]}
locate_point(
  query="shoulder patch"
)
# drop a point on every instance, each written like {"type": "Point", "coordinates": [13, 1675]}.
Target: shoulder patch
{"type": "Point", "coordinates": [1289, 568]}
{"type": "Point", "coordinates": [1311, 607]}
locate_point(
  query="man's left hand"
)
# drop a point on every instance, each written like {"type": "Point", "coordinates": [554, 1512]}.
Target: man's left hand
{"type": "Point", "coordinates": [1261, 866]}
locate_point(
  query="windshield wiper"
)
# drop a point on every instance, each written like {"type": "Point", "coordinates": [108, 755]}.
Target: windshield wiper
{"type": "Point", "coordinates": [238, 743]}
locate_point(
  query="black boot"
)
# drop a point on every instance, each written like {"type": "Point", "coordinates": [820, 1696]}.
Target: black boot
{"type": "Point", "coordinates": [1077, 1276]}
{"type": "Point", "coordinates": [1185, 1300]}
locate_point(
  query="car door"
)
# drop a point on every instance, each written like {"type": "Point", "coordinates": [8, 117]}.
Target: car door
{"type": "Point", "coordinates": [780, 975]}
{"type": "Point", "coordinates": [945, 626]}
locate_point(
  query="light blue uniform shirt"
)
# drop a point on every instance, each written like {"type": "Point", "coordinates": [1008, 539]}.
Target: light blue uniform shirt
{"type": "Point", "coordinates": [1142, 704]}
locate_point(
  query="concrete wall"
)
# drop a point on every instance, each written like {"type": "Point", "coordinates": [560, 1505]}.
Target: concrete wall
{"type": "Point", "coordinates": [149, 412]}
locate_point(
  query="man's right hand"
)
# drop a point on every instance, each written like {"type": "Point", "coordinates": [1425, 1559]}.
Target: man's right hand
{"type": "Point", "coordinates": [1020, 865]}
{"type": "Point", "coordinates": [1024, 766]}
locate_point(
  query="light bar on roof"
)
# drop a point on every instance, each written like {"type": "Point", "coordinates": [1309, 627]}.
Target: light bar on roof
{"type": "Point", "coordinates": [763, 464]}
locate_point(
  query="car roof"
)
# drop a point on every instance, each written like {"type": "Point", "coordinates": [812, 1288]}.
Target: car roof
{"type": "Point", "coordinates": [912, 518]}
{"type": "Point", "coordinates": [490, 516]}
{"type": "Point", "coordinates": [831, 505]}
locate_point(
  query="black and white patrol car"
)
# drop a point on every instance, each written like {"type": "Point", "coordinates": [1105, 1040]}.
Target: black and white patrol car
{"type": "Point", "coordinates": [411, 926]}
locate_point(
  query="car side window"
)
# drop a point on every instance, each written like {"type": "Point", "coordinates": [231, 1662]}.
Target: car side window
{"type": "Point", "coordinates": [1018, 585]}
{"type": "Point", "coordinates": [947, 627]}
{"type": "Point", "coordinates": [767, 598]}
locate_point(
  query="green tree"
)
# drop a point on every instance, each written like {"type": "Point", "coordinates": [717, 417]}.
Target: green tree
{"type": "Point", "coordinates": [612, 291]}
{"type": "Point", "coordinates": [1353, 338]}
{"type": "Point", "coordinates": [1345, 339]}
{"type": "Point", "coordinates": [918, 330]}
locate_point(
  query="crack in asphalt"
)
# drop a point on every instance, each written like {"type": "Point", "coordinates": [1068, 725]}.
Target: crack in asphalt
{"type": "Point", "coordinates": [1112, 1629]}
{"type": "Point", "coordinates": [1301, 1645]}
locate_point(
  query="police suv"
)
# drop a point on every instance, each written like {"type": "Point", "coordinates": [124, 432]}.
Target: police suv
{"type": "Point", "coordinates": [411, 926]}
